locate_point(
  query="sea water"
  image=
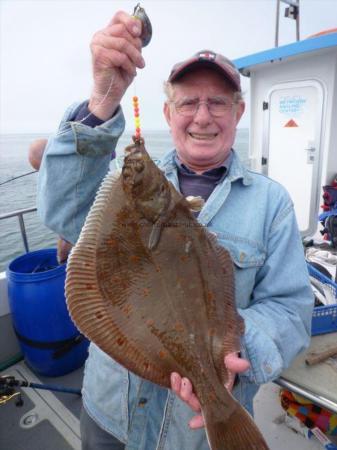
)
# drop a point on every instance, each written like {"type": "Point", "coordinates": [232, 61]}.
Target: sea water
{"type": "Point", "coordinates": [21, 193]}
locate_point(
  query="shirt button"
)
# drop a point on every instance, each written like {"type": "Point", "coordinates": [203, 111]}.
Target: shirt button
{"type": "Point", "coordinates": [142, 402]}
{"type": "Point", "coordinates": [242, 256]}
{"type": "Point", "coordinates": [268, 369]}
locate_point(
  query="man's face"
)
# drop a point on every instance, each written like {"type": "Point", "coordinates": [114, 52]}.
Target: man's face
{"type": "Point", "coordinates": [202, 140]}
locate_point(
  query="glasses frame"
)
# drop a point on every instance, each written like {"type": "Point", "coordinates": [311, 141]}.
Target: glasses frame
{"type": "Point", "coordinates": [197, 106]}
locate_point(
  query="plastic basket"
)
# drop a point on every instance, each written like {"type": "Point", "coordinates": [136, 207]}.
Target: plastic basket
{"type": "Point", "coordinates": [324, 318]}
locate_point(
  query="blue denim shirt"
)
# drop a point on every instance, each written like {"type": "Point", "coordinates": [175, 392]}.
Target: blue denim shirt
{"type": "Point", "coordinates": [253, 217]}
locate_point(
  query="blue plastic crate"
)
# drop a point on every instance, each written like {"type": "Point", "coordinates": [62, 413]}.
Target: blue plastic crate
{"type": "Point", "coordinates": [324, 318]}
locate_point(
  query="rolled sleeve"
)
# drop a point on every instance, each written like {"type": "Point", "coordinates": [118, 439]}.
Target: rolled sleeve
{"type": "Point", "coordinates": [75, 161]}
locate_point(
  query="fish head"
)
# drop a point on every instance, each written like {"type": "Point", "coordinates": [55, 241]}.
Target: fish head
{"type": "Point", "coordinates": [144, 184]}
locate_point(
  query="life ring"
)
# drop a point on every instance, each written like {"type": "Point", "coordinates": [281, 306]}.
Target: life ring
{"type": "Point", "coordinates": [322, 33]}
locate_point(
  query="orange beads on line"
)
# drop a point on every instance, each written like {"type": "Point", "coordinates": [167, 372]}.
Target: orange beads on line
{"type": "Point", "coordinates": [136, 116]}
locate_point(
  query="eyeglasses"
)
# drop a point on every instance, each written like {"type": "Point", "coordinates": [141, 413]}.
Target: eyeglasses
{"type": "Point", "coordinates": [217, 106]}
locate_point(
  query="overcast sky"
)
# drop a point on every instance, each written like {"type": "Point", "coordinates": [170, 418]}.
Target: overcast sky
{"type": "Point", "coordinates": [45, 56]}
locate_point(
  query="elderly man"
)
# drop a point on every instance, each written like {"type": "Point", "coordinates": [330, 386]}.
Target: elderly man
{"type": "Point", "coordinates": [252, 216]}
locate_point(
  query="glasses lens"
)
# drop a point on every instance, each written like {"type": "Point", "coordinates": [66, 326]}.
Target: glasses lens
{"type": "Point", "coordinates": [216, 106]}
{"type": "Point", "coordinates": [187, 107]}
{"type": "Point", "coordinates": [219, 106]}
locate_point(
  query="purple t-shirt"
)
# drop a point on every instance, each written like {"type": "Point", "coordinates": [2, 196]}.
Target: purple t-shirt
{"type": "Point", "coordinates": [191, 183]}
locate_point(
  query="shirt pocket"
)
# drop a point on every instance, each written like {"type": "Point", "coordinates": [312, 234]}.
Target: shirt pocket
{"type": "Point", "coordinates": [247, 256]}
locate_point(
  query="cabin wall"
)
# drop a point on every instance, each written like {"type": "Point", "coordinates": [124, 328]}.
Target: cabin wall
{"type": "Point", "coordinates": [331, 160]}
{"type": "Point", "coordinates": [320, 67]}
{"type": "Point", "coordinates": [264, 77]}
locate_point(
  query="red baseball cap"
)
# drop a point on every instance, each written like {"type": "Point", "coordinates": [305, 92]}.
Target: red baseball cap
{"type": "Point", "coordinates": [208, 58]}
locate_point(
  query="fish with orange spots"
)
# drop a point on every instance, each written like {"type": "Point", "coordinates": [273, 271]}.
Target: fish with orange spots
{"type": "Point", "coordinates": [139, 314]}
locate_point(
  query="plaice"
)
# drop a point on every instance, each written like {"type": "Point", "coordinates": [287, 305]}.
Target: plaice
{"type": "Point", "coordinates": [153, 289]}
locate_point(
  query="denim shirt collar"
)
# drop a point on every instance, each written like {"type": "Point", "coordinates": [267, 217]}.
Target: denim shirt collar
{"type": "Point", "coordinates": [237, 170]}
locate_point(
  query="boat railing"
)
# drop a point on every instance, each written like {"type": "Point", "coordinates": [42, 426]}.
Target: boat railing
{"type": "Point", "coordinates": [20, 215]}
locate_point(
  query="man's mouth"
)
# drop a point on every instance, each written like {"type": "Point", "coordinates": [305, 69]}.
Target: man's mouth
{"type": "Point", "coordinates": [203, 136]}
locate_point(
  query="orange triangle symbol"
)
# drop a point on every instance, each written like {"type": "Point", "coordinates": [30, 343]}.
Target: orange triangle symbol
{"type": "Point", "coordinates": [291, 124]}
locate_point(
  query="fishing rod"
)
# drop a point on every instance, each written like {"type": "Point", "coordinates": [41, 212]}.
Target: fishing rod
{"type": "Point", "coordinates": [7, 391]}
{"type": "Point", "coordinates": [19, 176]}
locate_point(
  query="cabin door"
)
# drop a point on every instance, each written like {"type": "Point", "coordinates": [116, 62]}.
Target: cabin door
{"type": "Point", "coordinates": [292, 145]}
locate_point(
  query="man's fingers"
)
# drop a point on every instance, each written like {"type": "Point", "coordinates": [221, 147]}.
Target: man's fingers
{"type": "Point", "coordinates": [175, 382]}
{"type": "Point", "coordinates": [106, 59]}
{"type": "Point", "coordinates": [133, 25]}
{"type": "Point", "coordinates": [119, 30]}
{"type": "Point", "coordinates": [196, 422]}
{"type": "Point", "coordinates": [182, 387]}
{"type": "Point", "coordinates": [121, 42]}
{"type": "Point", "coordinates": [186, 394]}
{"type": "Point", "coordinates": [236, 364]}
{"type": "Point", "coordinates": [122, 45]}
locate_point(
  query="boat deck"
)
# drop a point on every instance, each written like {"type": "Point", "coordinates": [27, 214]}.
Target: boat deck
{"type": "Point", "coordinates": [50, 420]}
{"type": "Point", "coordinates": [47, 420]}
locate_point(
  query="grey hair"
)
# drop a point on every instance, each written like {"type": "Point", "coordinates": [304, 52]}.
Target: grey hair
{"type": "Point", "coordinates": [169, 92]}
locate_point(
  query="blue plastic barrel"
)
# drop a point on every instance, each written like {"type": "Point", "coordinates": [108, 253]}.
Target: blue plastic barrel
{"type": "Point", "coordinates": [49, 340]}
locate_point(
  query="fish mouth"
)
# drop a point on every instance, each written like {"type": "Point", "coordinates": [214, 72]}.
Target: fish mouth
{"type": "Point", "coordinates": [202, 136]}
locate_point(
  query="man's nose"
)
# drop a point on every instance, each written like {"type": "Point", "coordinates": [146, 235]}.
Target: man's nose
{"type": "Point", "coordinates": [202, 114]}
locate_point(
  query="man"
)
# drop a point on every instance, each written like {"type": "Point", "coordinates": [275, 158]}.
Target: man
{"type": "Point", "coordinates": [252, 216]}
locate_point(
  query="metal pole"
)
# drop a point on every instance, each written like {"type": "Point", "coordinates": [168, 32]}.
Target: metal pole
{"type": "Point", "coordinates": [277, 21]}
{"type": "Point", "coordinates": [315, 398]}
{"type": "Point", "coordinates": [23, 232]}
{"type": "Point", "coordinates": [298, 22]}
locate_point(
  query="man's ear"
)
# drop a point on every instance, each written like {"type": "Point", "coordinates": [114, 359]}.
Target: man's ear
{"type": "Point", "coordinates": [240, 109]}
{"type": "Point", "coordinates": [167, 113]}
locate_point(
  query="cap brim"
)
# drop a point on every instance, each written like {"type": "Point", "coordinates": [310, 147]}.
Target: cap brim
{"type": "Point", "coordinates": [192, 65]}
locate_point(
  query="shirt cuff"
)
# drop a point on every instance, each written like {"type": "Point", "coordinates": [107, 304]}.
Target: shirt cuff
{"type": "Point", "coordinates": [89, 118]}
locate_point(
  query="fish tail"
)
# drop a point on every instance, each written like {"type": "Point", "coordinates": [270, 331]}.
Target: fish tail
{"type": "Point", "coordinates": [234, 432]}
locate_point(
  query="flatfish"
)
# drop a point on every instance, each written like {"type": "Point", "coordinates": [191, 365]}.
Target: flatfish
{"type": "Point", "coordinates": [153, 289]}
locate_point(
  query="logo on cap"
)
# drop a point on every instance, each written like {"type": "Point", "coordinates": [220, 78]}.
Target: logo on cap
{"type": "Point", "coordinates": [210, 56]}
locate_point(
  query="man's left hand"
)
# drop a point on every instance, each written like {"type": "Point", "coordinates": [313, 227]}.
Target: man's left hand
{"type": "Point", "coordinates": [183, 387]}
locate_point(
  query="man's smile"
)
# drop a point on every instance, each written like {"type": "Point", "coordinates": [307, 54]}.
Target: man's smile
{"type": "Point", "coordinates": [203, 136]}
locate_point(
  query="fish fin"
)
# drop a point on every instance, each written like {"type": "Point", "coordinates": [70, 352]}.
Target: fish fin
{"type": "Point", "coordinates": [232, 340]}
{"type": "Point", "coordinates": [195, 203]}
{"type": "Point", "coordinates": [154, 236]}
{"type": "Point", "coordinates": [236, 432]}
{"type": "Point", "coordinates": [86, 302]}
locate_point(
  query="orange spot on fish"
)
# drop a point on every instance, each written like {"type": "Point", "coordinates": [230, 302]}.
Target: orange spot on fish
{"type": "Point", "coordinates": [99, 315]}
{"type": "Point", "coordinates": [134, 258]}
{"type": "Point", "coordinates": [120, 341]}
{"type": "Point", "coordinates": [183, 258]}
{"type": "Point", "coordinates": [179, 327]}
{"type": "Point", "coordinates": [210, 296]}
{"type": "Point", "coordinates": [89, 287]}
{"type": "Point", "coordinates": [112, 242]}
{"type": "Point", "coordinates": [162, 354]}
